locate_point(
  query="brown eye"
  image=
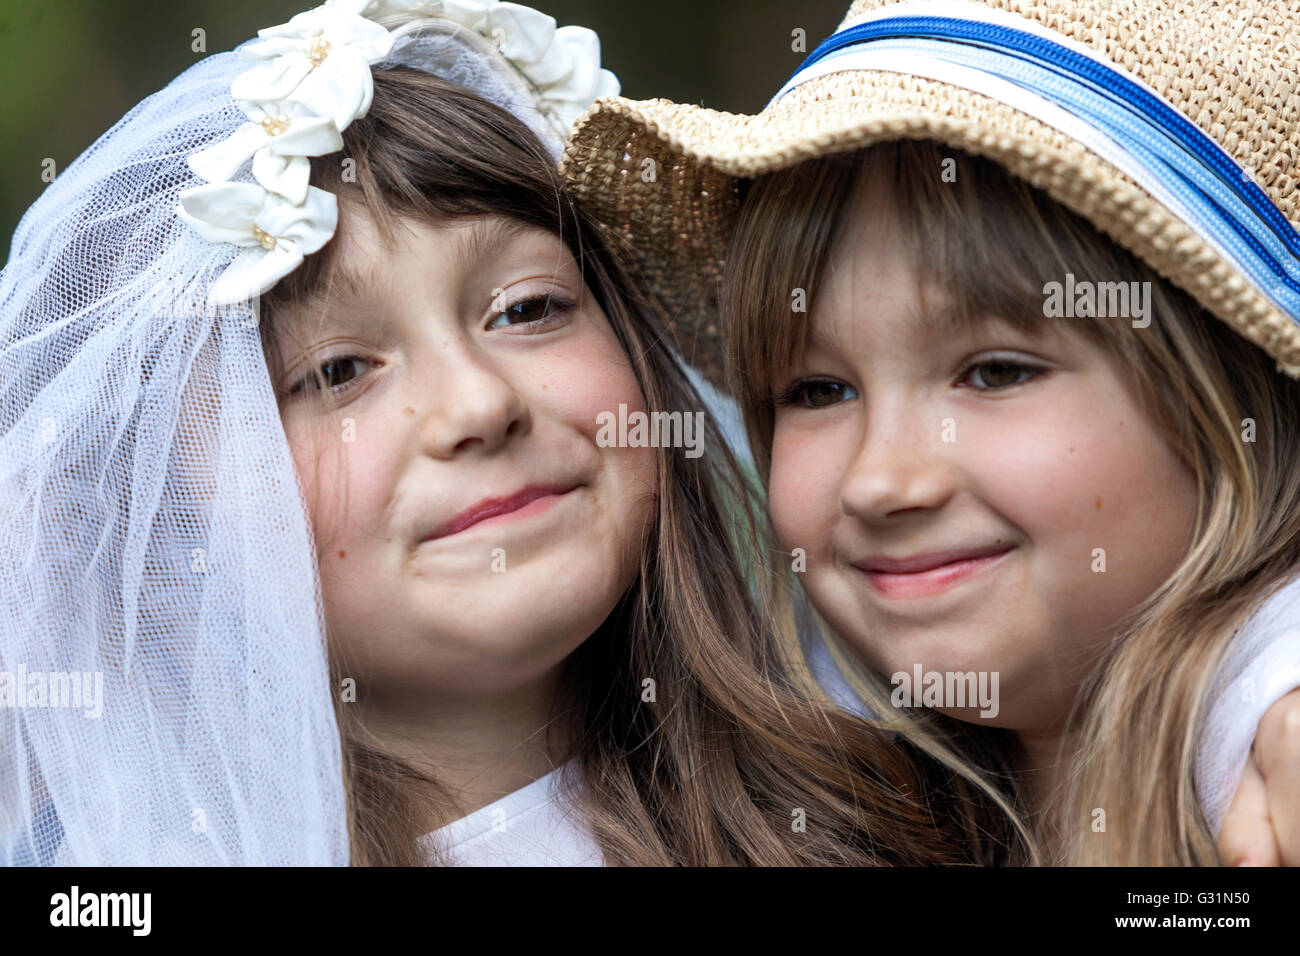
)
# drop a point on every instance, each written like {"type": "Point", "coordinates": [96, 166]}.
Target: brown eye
{"type": "Point", "coordinates": [823, 393]}
{"type": "Point", "coordinates": [817, 394]}
{"type": "Point", "coordinates": [538, 311]}
{"type": "Point", "coordinates": [334, 374]}
{"type": "Point", "coordinates": [339, 371]}
{"type": "Point", "coordinates": [998, 374]}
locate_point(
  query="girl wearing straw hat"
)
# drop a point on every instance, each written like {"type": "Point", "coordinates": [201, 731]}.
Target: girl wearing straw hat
{"type": "Point", "coordinates": [1010, 301]}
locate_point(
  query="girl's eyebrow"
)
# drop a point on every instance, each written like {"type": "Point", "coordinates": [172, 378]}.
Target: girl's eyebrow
{"type": "Point", "coordinates": [485, 240]}
{"type": "Point", "coordinates": [944, 321]}
{"type": "Point", "coordinates": [945, 316]}
{"type": "Point", "coordinates": [488, 236]}
{"type": "Point", "coordinates": [948, 318]}
{"type": "Point", "coordinates": [350, 284]}
{"type": "Point", "coordinates": [938, 321]}
{"type": "Point", "coordinates": [348, 298]}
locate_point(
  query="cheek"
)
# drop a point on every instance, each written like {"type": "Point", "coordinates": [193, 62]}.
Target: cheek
{"type": "Point", "coordinates": [1043, 471]}
{"type": "Point", "coordinates": [589, 374]}
{"type": "Point", "coordinates": [1096, 476]}
{"type": "Point", "coordinates": [313, 472]}
{"type": "Point", "coordinates": [804, 486]}
{"type": "Point", "coordinates": [576, 385]}
{"type": "Point", "coordinates": [1136, 501]}
{"type": "Point", "coordinates": [1092, 480]}
{"type": "Point", "coordinates": [341, 465]}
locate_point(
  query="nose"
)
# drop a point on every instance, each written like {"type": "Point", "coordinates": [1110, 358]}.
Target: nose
{"type": "Point", "coordinates": [899, 467]}
{"type": "Point", "coordinates": [472, 406]}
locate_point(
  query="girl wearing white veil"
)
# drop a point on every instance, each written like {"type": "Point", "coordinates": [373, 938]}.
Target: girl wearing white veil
{"type": "Point", "coordinates": [170, 553]}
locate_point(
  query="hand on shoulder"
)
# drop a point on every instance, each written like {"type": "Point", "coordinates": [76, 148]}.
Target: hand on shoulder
{"type": "Point", "coordinates": [1262, 827]}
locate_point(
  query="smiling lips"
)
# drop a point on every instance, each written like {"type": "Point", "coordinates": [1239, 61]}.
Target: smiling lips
{"type": "Point", "coordinates": [926, 574]}
{"type": "Point", "coordinates": [530, 500]}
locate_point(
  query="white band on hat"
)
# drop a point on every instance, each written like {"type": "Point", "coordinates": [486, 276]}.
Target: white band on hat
{"type": "Point", "coordinates": [1017, 97]}
{"type": "Point", "coordinates": [1240, 232]}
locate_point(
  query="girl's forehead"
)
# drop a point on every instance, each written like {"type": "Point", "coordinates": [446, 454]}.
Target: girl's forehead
{"type": "Point", "coordinates": [365, 237]}
{"type": "Point", "coordinates": [914, 316]}
{"type": "Point", "coordinates": [371, 280]}
{"type": "Point", "coordinates": [368, 263]}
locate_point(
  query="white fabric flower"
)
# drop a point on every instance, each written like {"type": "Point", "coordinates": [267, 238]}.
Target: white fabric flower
{"type": "Point", "coordinates": [279, 137]}
{"type": "Point", "coordinates": [313, 80]}
{"type": "Point", "coordinates": [320, 59]}
{"type": "Point", "coordinates": [570, 77]}
{"type": "Point", "coordinates": [466, 13]}
{"type": "Point", "coordinates": [562, 64]}
{"type": "Point", "coordinates": [275, 233]}
{"type": "Point", "coordinates": [522, 34]}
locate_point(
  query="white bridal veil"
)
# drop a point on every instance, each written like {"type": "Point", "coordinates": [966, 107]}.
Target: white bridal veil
{"type": "Point", "coordinates": [164, 693]}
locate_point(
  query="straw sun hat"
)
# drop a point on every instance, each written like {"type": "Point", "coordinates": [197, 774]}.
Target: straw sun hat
{"type": "Point", "coordinates": [1173, 126]}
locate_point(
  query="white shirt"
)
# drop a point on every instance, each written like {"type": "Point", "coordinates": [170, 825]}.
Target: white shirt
{"type": "Point", "coordinates": [534, 826]}
{"type": "Point", "coordinates": [1262, 664]}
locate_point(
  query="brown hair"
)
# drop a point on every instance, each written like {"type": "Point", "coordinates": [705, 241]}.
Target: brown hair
{"type": "Point", "coordinates": [991, 242]}
{"type": "Point", "coordinates": [712, 771]}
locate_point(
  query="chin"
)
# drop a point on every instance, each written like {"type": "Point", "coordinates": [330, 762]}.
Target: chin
{"type": "Point", "coordinates": [521, 607]}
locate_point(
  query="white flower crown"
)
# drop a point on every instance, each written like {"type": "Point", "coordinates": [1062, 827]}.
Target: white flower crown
{"type": "Point", "coordinates": [312, 81]}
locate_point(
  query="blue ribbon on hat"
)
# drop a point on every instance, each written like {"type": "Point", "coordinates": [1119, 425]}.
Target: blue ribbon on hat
{"type": "Point", "coordinates": [1219, 200]}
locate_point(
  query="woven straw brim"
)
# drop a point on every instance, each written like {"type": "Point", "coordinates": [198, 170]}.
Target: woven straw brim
{"type": "Point", "coordinates": [676, 226]}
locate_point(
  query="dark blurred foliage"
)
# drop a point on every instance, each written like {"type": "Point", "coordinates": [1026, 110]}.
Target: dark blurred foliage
{"type": "Point", "coordinates": [69, 69]}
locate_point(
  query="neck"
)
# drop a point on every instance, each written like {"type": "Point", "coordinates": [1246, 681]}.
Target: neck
{"type": "Point", "coordinates": [478, 748]}
{"type": "Point", "coordinates": [1044, 761]}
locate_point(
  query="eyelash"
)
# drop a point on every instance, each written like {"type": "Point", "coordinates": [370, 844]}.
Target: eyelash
{"type": "Point", "coordinates": [798, 390]}
{"type": "Point", "coordinates": [308, 382]}
{"type": "Point", "coordinates": [1035, 371]}
{"type": "Point", "coordinates": [559, 309]}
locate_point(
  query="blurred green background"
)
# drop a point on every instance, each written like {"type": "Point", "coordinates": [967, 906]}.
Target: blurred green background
{"type": "Point", "coordinates": [69, 69]}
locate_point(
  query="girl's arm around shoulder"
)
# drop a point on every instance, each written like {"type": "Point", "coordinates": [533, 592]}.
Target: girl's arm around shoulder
{"type": "Point", "coordinates": [1262, 827]}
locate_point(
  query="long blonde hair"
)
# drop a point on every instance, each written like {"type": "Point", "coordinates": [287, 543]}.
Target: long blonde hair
{"type": "Point", "coordinates": [734, 743]}
{"type": "Point", "coordinates": [992, 241]}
